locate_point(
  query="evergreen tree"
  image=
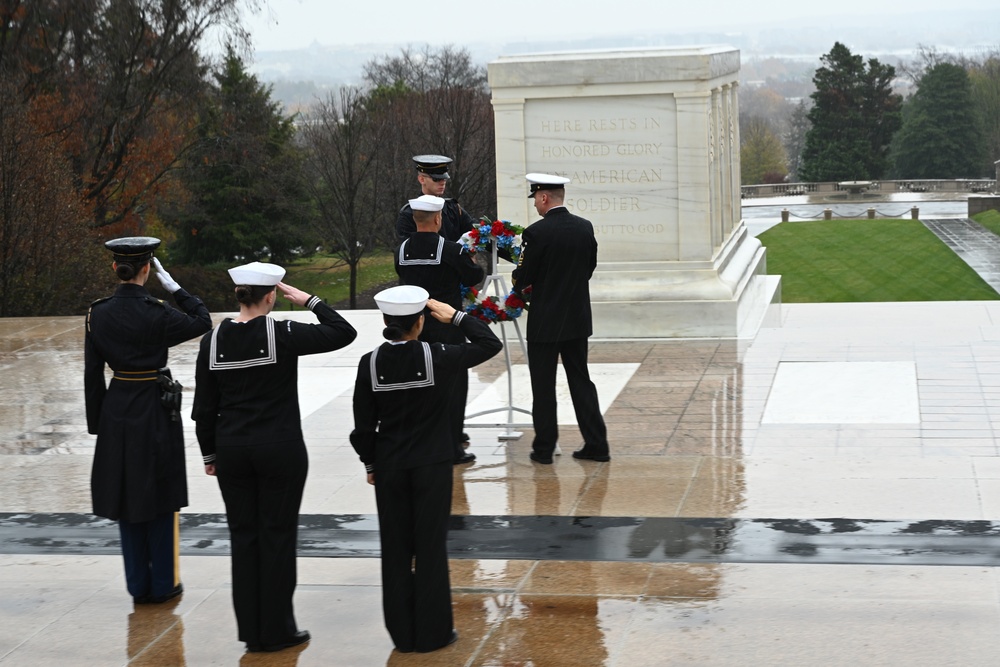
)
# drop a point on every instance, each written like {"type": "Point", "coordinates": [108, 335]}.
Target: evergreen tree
{"type": "Point", "coordinates": [245, 176]}
{"type": "Point", "coordinates": [940, 137]}
{"type": "Point", "coordinates": [854, 116]}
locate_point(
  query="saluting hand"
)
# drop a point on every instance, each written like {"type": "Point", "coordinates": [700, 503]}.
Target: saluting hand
{"type": "Point", "coordinates": [294, 294]}
{"type": "Point", "coordinates": [441, 311]}
{"type": "Point", "coordinates": [165, 279]}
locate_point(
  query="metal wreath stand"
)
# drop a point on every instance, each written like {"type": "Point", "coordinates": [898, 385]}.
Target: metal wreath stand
{"type": "Point", "coordinates": [496, 282]}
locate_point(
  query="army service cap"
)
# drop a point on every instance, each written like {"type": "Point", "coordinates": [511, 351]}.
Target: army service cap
{"type": "Point", "coordinates": [133, 249]}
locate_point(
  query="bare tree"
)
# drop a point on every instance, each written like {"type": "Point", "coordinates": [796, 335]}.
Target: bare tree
{"type": "Point", "coordinates": [342, 142]}
{"type": "Point", "coordinates": [434, 101]}
{"type": "Point", "coordinates": [794, 138]}
{"type": "Point", "coordinates": [426, 70]}
{"type": "Point", "coordinates": [762, 157]}
{"type": "Point", "coordinates": [113, 80]}
{"type": "Point", "coordinates": [927, 57]}
{"type": "Point", "coordinates": [985, 78]}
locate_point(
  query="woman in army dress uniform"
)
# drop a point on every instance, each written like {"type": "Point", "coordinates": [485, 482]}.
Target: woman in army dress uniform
{"type": "Point", "coordinates": [246, 406]}
{"type": "Point", "coordinates": [138, 476]}
{"type": "Point", "coordinates": [402, 435]}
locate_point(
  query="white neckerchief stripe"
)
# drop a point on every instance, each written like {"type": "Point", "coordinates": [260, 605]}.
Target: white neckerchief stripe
{"type": "Point", "coordinates": [270, 351]}
{"type": "Point", "coordinates": [420, 262]}
{"type": "Point", "coordinates": [378, 385]}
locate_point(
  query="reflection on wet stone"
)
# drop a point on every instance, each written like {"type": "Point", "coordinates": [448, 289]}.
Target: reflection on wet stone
{"type": "Point", "coordinates": [590, 538]}
{"type": "Point", "coordinates": [668, 529]}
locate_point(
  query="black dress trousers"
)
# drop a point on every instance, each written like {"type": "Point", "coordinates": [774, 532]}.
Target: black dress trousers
{"type": "Point", "coordinates": [543, 361]}
{"type": "Point", "coordinates": [262, 488]}
{"type": "Point", "coordinates": [414, 506]}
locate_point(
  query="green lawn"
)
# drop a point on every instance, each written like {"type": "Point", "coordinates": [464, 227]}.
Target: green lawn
{"type": "Point", "coordinates": [823, 261]}
{"type": "Point", "coordinates": [328, 277]}
{"type": "Point", "coordinates": [865, 260]}
{"type": "Point", "coordinates": [990, 220]}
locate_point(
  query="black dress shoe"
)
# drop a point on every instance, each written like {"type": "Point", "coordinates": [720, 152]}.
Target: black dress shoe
{"type": "Point", "coordinates": [300, 637]}
{"type": "Point", "coordinates": [466, 457]}
{"type": "Point", "coordinates": [538, 458]}
{"type": "Point", "coordinates": [451, 640]}
{"type": "Point", "coordinates": [584, 454]}
{"type": "Point", "coordinates": [159, 599]}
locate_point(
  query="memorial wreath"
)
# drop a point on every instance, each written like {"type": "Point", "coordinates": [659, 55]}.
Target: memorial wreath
{"type": "Point", "coordinates": [478, 304]}
{"type": "Point", "coordinates": [506, 235]}
{"type": "Point", "coordinates": [490, 309]}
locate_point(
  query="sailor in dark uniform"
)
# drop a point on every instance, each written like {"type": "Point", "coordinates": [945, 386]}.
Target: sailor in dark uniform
{"type": "Point", "coordinates": [246, 409]}
{"type": "Point", "coordinates": [138, 476]}
{"type": "Point", "coordinates": [432, 174]}
{"type": "Point", "coordinates": [558, 257]}
{"type": "Point", "coordinates": [403, 438]}
{"type": "Point", "coordinates": [441, 267]}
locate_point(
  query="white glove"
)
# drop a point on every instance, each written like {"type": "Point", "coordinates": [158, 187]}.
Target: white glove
{"type": "Point", "coordinates": [168, 283]}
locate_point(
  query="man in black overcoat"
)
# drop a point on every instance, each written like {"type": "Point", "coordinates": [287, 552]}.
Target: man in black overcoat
{"type": "Point", "coordinates": [558, 257]}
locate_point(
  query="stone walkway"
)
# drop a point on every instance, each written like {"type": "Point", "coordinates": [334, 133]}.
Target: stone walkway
{"type": "Point", "coordinates": [978, 246]}
{"type": "Point", "coordinates": [785, 500]}
{"type": "Point", "coordinates": [762, 507]}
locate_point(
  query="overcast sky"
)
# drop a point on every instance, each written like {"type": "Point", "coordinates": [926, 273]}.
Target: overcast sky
{"type": "Point", "coordinates": [293, 24]}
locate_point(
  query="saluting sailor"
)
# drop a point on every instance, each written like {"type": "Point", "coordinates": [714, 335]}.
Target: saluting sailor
{"type": "Point", "coordinates": [432, 174]}
{"type": "Point", "coordinates": [138, 476]}
{"type": "Point", "coordinates": [402, 436]}
{"type": "Point", "coordinates": [441, 267]}
{"type": "Point", "coordinates": [246, 409]}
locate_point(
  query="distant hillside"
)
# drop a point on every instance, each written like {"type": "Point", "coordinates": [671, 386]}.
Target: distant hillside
{"type": "Point", "coordinates": [300, 76]}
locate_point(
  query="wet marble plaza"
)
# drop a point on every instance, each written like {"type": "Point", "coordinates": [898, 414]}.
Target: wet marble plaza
{"type": "Point", "coordinates": [827, 493]}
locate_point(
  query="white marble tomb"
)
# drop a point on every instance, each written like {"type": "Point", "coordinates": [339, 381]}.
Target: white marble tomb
{"type": "Point", "coordinates": [650, 141]}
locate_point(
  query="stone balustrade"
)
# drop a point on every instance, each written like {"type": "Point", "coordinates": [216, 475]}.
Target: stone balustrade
{"type": "Point", "coordinates": [962, 185]}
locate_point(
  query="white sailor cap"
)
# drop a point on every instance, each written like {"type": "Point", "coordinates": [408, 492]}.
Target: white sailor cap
{"type": "Point", "coordinates": [402, 300]}
{"type": "Point", "coordinates": [427, 203]}
{"type": "Point", "coordinates": [257, 273]}
{"type": "Point", "coordinates": [545, 182]}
